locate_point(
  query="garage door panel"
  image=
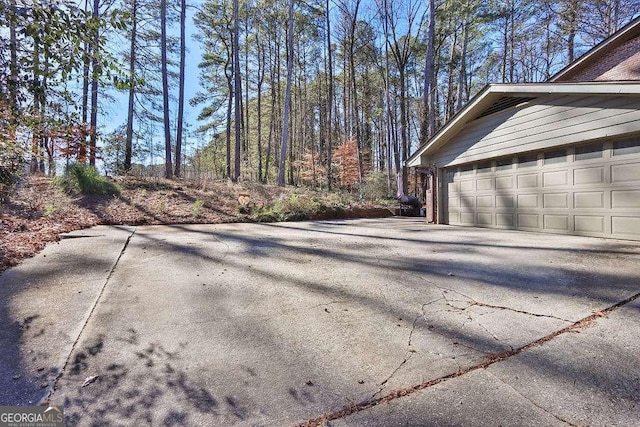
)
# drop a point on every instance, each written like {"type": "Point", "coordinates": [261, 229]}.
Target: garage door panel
{"type": "Point", "coordinates": [554, 179]}
{"type": "Point", "coordinates": [467, 217]}
{"type": "Point", "coordinates": [556, 222]}
{"type": "Point", "coordinates": [466, 186]}
{"type": "Point", "coordinates": [625, 199]}
{"type": "Point", "coordinates": [527, 201]}
{"type": "Point", "coordinates": [625, 225]}
{"type": "Point", "coordinates": [467, 201]}
{"type": "Point", "coordinates": [625, 173]}
{"type": "Point", "coordinates": [484, 201]}
{"type": "Point", "coordinates": [484, 219]}
{"type": "Point", "coordinates": [453, 202]}
{"type": "Point", "coordinates": [555, 200]}
{"type": "Point", "coordinates": [484, 184]}
{"type": "Point", "coordinates": [588, 176]}
{"type": "Point", "coordinates": [505, 220]}
{"type": "Point", "coordinates": [528, 181]}
{"type": "Point", "coordinates": [504, 201]}
{"type": "Point", "coordinates": [504, 182]}
{"type": "Point", "coordinates": [588, 199]}
{"type": "Point", "coordinates": [589, 224]}
{"type": "Point", "coordinates": [528, 220]}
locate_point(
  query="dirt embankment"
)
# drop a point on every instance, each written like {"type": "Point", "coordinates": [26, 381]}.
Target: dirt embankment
{"type": "Point", "coordinates": [38, 211]}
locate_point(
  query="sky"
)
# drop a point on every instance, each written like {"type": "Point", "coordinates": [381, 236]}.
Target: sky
{"type": "Point", "coordinates": [116, 114]}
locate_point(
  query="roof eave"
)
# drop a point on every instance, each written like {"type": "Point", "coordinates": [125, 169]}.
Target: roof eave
{"type": "Point", "coordinates": [491, 92]}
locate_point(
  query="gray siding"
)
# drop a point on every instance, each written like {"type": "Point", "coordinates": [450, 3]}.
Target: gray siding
{"type": "Point", "coordinates": [547, 122]}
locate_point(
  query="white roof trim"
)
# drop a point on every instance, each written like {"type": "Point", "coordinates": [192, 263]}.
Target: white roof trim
{"type": "Point", "coordinates": [492, 92]}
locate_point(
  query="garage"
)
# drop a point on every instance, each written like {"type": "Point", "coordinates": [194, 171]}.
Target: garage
{"type": "Point", "coordinates": [547, 157]}
{"type": "Point", "coordinates": [588, 189]}
{"type": "Point", "coordinates": [561, 156]}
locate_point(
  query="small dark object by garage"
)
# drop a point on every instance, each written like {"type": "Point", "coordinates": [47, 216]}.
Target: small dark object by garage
{"type": "Point", "coordinates": [409, 206]}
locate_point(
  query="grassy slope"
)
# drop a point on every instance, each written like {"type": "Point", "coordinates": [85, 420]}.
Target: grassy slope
{"type": "Point", "coordinates": [38, 212]}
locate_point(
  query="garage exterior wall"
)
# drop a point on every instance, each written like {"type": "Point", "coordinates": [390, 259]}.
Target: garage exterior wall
{"type": "Point", "coordinates": [541, 124]}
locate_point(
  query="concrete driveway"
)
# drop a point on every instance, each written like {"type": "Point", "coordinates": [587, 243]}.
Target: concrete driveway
{"type": "Point", "coordinates": [359, 322]}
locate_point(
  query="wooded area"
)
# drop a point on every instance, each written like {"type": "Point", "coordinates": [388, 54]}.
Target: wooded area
{"type": "Point", "coordinates": [319, 93]}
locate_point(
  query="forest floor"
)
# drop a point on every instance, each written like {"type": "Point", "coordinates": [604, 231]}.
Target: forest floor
{"type": "Point", "coordinates": [38, 211]}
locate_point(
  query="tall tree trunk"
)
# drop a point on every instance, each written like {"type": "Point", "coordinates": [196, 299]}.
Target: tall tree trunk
{"type": "Point", "coordinates": [356, 113]}
{"type": "Point", "coordinates": [82, 151]}
{"type": "Point", "coordinates": [37, 129]}
{"type": "Point", "coordinates": [287, 99]}
{"type": "Point", "coordinates": [261, 74]}
{"type": "Point", "coordinates": [462, 76]}
{"type": "Point", "coordinates": [237, 90]}
{"type": "Point", "coordinates": [450, 102]}
{"type": "Point", "coordinates": [272, 115]}
{"type": "Point", "coordinates": [183, 49]}
{"type": "Point", "coordinates": [428, 127]}
{"type": "Point", "coordinates": [13, 47]}
{"type": "Point", "coordinates": [95, 68]}
{"type": "Point", "coordinates": [229, 110]}
{"type": "Point", "coordinates": [44, 140]}
{"type": "Point", "coordinates": [571, 36]}
{"type": "Point", "coordinates": [168, 163]}
{"type": "Point", "coordinates": [329, 134]}
{"type": "Point", "coordinates": [404, 125]}
{"type": "Point", "coordinates": [505, 47]}
{"type": "Point", "coordinates": [387, 99]}
{"type": "Point", "coordinates": [246, 154]}
{"type": "Point", "coordinates": [512, 43]}
{"type": "Point", "coordinates": [132, 86]}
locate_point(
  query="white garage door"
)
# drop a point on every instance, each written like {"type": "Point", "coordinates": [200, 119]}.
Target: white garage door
{"type": "Point", "coordinates": [591, 190]}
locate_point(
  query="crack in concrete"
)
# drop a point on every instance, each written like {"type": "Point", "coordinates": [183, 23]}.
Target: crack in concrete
{"type": "Point", "coordinates": [473, 302]}
{"type": "Point", "coordinates": [410, 352]}
{"type": "Point", "coordinates": [498, 307]}
{"type": "Point", "coordinates": [52, 387]}
{"type": "Point", "coordinates": [559, 418]}
{"type": "Point", "coordinates": [489, 360]}
{"type": "Point", "coordinates": [494, 336]}
{"type": "Point", "coordinates": [407, 357]}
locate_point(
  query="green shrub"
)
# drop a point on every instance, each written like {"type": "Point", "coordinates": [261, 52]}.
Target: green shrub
{"type": "Point", "coordinates": [197, 207]}
{"type": "Point", "coordinates": [80, 178]}
{"type": "Point", "coordinates": [266, 215]}
{"type": "Point", "coordinates": [50, 210]}
{"type": "Point", "coordinates": [298, 206]}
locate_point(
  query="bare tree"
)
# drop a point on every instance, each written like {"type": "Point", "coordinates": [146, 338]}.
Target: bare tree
{"type": "Point", "coordinates": [168, 170]}
{"type": "Point", "coordinates": [179, 130]}
{"type": "Point", "coordinates": [132, 86]}
{"type": "Point", "coordinates": [237, 89]}
{"type": "Point", "coordinates": [287, 97]}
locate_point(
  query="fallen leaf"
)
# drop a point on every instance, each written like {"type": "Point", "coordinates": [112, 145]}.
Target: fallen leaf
{"type": "Point", "coordinates": [89, 380]}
